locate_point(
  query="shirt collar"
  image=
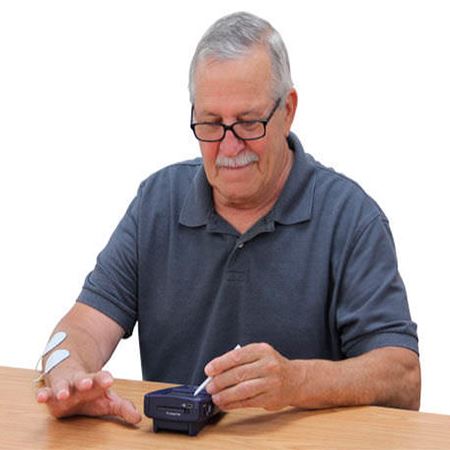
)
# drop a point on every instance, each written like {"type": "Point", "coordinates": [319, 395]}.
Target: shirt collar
{"type": "Point", "coordinates": [293, 206]}
{"type": "Point", "coordinates": [296, 200]}
{"type": "Point", "coordinates": [198, 205]}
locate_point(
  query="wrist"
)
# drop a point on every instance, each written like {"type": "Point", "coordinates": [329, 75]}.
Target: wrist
{"type": "Point", "coordinates": [298, 373]}
{"type": "Point", "coordinates": [312, 385]}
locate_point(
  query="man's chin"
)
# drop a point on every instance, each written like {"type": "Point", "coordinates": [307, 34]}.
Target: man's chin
{"type": "Point", "coordinates": [239, 196]}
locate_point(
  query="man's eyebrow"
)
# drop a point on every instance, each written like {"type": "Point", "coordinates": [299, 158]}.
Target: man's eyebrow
{"type": "Point", "coordinates": [251, 112]}
{"type": "Point", "coordinates": [208, 114]}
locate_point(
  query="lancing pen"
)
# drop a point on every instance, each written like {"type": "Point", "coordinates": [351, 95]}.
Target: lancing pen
{"type": "Point", "coordinates": [208, 380]}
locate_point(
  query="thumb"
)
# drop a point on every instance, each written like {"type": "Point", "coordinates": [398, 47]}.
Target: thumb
{"type": "Point", "coordinates": [124, 408]}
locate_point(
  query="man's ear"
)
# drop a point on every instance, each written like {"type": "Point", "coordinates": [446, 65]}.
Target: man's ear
{"type": "Point", "coordinates": [290, 108]}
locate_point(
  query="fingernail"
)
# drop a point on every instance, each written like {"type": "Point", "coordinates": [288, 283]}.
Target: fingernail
{"type": "Point", "coordinates": [62, 395]}
{"type": "Point", "coordinates": [86, 382]}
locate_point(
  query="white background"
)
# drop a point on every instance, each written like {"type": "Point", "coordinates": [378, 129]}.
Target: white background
{"type": "Point", "coordinates": [93, 98]}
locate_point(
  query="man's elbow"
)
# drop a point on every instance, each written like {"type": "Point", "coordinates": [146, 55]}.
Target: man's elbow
{"type": "Point", "coordinates": [401, 380]}
{"type": "Point", "coordinates": [409, 397]}
{"type": "Point", "coordinates": [414, 382]}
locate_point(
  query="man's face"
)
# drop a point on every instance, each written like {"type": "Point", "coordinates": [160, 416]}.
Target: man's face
{"type": "Point", "coordinates": [228, 91]}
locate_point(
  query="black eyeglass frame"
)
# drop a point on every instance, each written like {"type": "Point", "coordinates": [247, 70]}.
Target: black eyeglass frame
{"type": "Point", "coordinates": [225, 127]}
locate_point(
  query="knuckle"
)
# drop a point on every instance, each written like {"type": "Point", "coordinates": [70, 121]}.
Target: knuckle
{"type": "Point", "coordinates": [210, 368]}
{"type": "Point", "coordinates": [214, 387]}
{"type": "Point", "coordinates": [218, 383]}
{"type": "Point", "coordinates": [246, 390]}
{"type": "Point", "coordinates": [235, 356]}
{"type": "Point", "coordinates": [218, 400]}
{"type": "Point", "coordinates": [272, 366]}
{"type": "Point", "coordinates": [241, 374]}
{"type": "Point", "coordinates": [264, 347]}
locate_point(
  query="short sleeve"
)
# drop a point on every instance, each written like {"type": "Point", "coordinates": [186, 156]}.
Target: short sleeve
{"type": "Point", "coordinates": [372, 310]}
{"type": "Point", "coordinates": [112, 286]}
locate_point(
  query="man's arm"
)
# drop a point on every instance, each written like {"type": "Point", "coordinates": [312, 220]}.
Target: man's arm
{"type": "Point", "coordinates": [258, 376]}
{"type": "Point", "coordinates": [77, 385]}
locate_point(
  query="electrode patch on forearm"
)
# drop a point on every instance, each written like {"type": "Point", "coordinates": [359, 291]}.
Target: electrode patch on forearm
{"type": "Point", "coordinates": [57, 357]}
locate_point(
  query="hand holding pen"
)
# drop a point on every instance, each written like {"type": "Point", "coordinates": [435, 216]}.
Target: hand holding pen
{"type": "Point", "coordinates": [208, 380]}
{"type": "Point", "coordinates": [255, 376]}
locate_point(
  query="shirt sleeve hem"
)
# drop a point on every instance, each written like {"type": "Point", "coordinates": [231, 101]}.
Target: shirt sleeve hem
{"type": "Point", "coordinates": [383, 340]}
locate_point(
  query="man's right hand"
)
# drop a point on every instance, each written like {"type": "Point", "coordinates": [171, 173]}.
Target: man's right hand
{"type": "Point", "coordinates": [85, 394]}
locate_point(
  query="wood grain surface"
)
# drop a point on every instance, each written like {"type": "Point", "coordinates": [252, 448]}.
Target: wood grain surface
{"type": "Point", "coordinates": [24, 424]}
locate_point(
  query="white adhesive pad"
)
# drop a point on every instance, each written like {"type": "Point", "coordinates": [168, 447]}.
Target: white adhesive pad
{"type": "Point", "coordinates": [54, 341]}
{"type": "Point", "coordinates": [57, 357]}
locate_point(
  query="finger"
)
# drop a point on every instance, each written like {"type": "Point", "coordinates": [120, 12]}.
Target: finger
{"type": "Point", "coordinates": [239, 393]}
{"type": "Point", "coordinates": [43, 395]}
{"type": "Point", "coordinates": [61, 389]}
{"type": "Point", "coordinates": [103, 379]}
{"type": "Point", "coordinates": [255, 402]}
{"type": "Point", "coordinates": [129, 412]}
{"type": "Point", "coordinates": [235, 376]}
{"type": "Point", "coordinates": [83, 382]}
{"type": "Point", "coordinates": [231, 359]}
{"type": "Point", "coordinates": [124, 408]}
{"type": "Point", "coordinates": [224, 362]}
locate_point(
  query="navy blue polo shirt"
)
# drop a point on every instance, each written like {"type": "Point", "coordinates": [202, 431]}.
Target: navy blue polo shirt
{"type": "Point", "coordinates": [316, 277]}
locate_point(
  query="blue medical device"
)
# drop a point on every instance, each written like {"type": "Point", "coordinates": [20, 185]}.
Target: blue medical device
{"type": "Point", "coordinates": [177, 409]}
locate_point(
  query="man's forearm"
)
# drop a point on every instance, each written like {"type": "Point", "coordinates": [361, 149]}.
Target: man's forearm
{"type": "Point", "coordinates": [91, 338]}
{"type": "Point", "coordinates": [386, 377]}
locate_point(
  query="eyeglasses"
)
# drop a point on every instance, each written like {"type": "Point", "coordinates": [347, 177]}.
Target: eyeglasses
{"type": "Point", "coordinates": [246, 130]}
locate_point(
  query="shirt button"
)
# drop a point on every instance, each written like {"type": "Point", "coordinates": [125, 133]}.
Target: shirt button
{"type": "Point", "coordinates": [241, 245]}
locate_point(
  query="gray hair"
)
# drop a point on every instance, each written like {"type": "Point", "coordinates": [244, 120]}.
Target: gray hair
{"type": "Point", "coordinates": [234, 36]}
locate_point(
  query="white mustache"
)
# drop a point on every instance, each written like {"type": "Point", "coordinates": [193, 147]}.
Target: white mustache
{"type": "Point", "coordinates": [242, 159]}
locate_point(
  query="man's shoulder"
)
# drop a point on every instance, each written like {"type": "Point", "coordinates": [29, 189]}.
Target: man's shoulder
{"type": "Point", "coordinates": [342, 194]}
{"type": "Point", "coordinates": [186, 168]}
{"type": "Point", "coordinates": [177, 176]}
{"type": "Point", "coordinates": [329, 178]}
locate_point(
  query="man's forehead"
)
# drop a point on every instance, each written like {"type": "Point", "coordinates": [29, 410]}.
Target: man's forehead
{"type": "Point", "coordinates": [241, 109]}
{"type": "Point", "coordinates": [235, 87]}
{"type": "Point", "coordinates": [254, 67]}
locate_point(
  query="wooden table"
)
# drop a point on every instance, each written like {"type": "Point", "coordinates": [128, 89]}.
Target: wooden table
{"type": "Point", "coordinates": [24, 424]}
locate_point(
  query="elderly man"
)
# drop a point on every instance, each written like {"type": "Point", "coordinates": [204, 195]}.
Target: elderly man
{"type": "Point", "coordinates": [254, 244]}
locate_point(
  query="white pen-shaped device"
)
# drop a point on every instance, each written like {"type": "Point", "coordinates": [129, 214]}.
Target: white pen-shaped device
{"type": "Point", "coordinates": [208, 380]}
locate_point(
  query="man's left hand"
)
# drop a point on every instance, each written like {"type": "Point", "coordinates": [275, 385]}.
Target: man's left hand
{"type": "Point", "coordinates": [252, 376]}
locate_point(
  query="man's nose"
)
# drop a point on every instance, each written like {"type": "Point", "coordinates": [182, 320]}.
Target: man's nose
{"type": "Point", "coordinates": [230, 144]}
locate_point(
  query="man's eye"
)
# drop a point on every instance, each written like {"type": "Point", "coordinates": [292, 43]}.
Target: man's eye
{"type": "Point", "coordinates": [211, 125]}
{"type": "Point", "coordinates": [249, 126]}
